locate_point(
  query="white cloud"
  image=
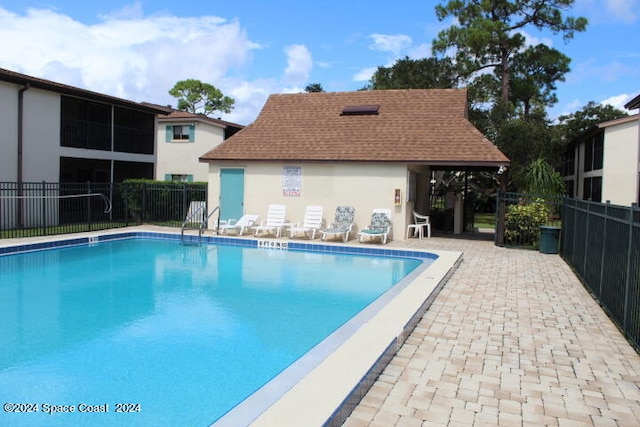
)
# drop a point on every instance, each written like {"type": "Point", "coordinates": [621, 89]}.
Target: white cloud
{"type": "Point", "coordinates": [395, 44]}
{"type": "Point", "coordinates": [565, 109]}
{"type": "Point", "coordinates": [364, 75]}
{"type": "Point", "coordinates": [249, 98]}
{"type": "Point", "coordinates": [130, 11]}
{"type": "Point", "coordinates": [530, 40]}
{"type": "Point", "coordinates": [396, 47]}
{"type": "Point", "coordinates": [420, 51]}
{"type": "Point", "coordinates": [618, 101]}
{"type": "Point", "coordinates": [299, 64]}
{"type": "Point", "coordinates": [626, 11]}
{"type": "Point", "coordinates": [591, 71]}
{"type": "Point", "coordinates": [125, 54]}
{"type": "Point", "coordinates": [294, 89]}
{"type": "Point", "coordinates": [623, 10]}
{"type": "Point", "coordinates": [574, 105]}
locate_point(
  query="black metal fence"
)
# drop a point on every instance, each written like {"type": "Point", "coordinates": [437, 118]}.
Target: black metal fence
{"type": "Point", "coordinates": [601, 242]}
{"type": "Point", "coordinates": [521, 215]}
{"type": "Point", "coordinates": [47, 208]}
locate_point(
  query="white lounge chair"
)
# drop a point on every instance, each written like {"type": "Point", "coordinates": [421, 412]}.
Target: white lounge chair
{"type": "Point", "coordinates": [341, 225]}
{"type": "Point", "coordinates": [239, 226]}
{"type": "Point", "coordinates": [310, 224]}
{"type": "Point", "coordinates": [379, 227]}
{"type": "Point", "coordinates": [197, 212]}
{"type": "Point", "coordinates": [420, 222]}
{"type": "Point", "coordinates": [274, 222]}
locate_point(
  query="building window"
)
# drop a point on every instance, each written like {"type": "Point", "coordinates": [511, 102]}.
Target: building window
{"type": "Point", "coordinates": [134, 131]}
{"type": "Point", "coordinates": [568, 162]}
{"type": "Point", "coordinates": [178, 177]}
{"type": "Point", "coordinates": [598, 151]}
{"type": "Point", "coordinates": [180, 133]}
{"type": "Point", "coordinates": [592, 189]}
{"type": "Point", "coordinates": [569, 187]}
{"type": "Point", "coordinates": [85, 124]}
{"type": "Point", "coordinates": [593, 156]}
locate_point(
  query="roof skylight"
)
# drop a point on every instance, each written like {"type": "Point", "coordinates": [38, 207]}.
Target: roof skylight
{"type": "Point", "coordinates": [359, 110]}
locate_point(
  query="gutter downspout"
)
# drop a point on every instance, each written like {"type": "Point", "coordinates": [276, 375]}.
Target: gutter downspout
{"type": "Point", "coordinates": [19, 211]}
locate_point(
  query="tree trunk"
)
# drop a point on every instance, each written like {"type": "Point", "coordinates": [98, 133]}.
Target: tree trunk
{"type": "Point", "coordinates": [505, 75]}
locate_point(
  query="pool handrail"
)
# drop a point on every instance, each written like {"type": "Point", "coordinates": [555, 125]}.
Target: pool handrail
{"type": "Point", "coordinates": [202, 225]}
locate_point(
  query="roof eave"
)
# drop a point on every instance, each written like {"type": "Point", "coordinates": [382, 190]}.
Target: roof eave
{"type": "Point", "coordinates": [191, 119]}
{"type": "Point", "coordinates": [437, 163]}
{"type": "Point", "coordinates": [633, 104]}
{"type": "Point", "coordinates": [23, 79]}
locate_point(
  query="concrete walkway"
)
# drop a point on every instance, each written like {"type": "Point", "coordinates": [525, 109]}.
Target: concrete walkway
{"type": "Point", "coordinates": [513, 339]}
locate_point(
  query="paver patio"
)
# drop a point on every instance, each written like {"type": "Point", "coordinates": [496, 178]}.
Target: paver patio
{"type": "Point", "coordinates": [513, 339]}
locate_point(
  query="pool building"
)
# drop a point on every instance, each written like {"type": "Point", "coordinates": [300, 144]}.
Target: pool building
{"type": "Point", "coordinates": [367, 149]}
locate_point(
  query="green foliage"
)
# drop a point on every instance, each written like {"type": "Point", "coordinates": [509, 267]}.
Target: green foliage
{"type": "Point", "coordinates": [313, 87]}
{"type": "Point", "coordinates": [196, 97]}
{"type": "Point", "coordinates": [131, 191]}
{"type": "Point", "coordinates": [524, 140]}
{"type": "Point", "coordinates": [534, 73]}
{"type": "Point", "coordinates": [509, 104]}
{"type": "Point", "coordinates": [151, 201]}
{"type": "Point", "coordinates": [573, 125]}
{"type": "Point", "coordinates": [523, 221]}
{"type": "Point", "coordinates": [427, 73]}
{"type": "Point", "coordinates": [488, 34]}
{"type": "Point", "coordinates": [541, 179]}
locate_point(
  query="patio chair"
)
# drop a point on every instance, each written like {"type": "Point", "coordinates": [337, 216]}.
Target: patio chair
{"type": "Point", "coordinates": [341, 225]}
{"type": "Point", "coordinates": [197, 212]}
{"type": "Point", "coordinates": [310, 224]}
{"type": "Point", "coordinates": [379, 227]}
{"type": "Point", "coordinates": [239, 226]}
{"type": "Point", "coordinates": [420, 222]}
{"type": "Point", "coordinates": [274, 222]}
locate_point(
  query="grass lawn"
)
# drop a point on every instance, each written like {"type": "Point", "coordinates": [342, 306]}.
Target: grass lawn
{"type": "Point", "coordinates": [484, 220]}
{"type": "Point", "coordinates": [62, 229]}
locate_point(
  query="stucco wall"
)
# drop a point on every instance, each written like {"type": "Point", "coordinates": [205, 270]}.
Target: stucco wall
{"type": "Point", "coordinates": [9, 134]}
{"type": "Point", "coordinates": [181, 157]}
{"type": "Point", "coordinates": [362, 186]}
{"type": "Point", "coordinates": [41, 136]}
{"type": "Point", "coordinates": [620, 164]}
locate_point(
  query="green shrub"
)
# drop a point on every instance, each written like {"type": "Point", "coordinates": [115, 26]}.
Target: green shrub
{"type": "Point", "coordinates": [131, 191]}
{"type": "Point", "coordinates": [161, 200]}
{"type": "Point", "coordinates": [522, 223]}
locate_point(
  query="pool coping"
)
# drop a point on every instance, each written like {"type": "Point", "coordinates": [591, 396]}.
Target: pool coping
{"type": "Point", "coordinates": [324, 386]}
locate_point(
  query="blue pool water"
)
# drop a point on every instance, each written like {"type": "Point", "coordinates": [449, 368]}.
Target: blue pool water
{"type": "Point", "coordinates": [183, 333]}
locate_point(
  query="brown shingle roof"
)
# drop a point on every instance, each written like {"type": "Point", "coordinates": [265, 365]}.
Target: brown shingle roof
{"type": "Point", "coordinates": [414, 126]}
{"type": "Point", "coordinates": [178, 116]}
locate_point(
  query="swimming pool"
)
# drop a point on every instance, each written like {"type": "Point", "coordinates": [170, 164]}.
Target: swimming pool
{"type": "Point", "coordinates": [127, 343]}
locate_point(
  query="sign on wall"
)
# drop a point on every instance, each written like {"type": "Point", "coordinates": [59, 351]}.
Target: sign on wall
{"type": "Point", "coordinates": [291, 181]}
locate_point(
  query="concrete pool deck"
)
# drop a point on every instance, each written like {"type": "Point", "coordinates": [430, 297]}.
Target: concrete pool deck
{"type": "Point", "coordinates": [513, 339]}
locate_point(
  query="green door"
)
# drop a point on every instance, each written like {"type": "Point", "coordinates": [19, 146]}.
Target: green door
{"type": "Point", "coordinates": [231, 193]}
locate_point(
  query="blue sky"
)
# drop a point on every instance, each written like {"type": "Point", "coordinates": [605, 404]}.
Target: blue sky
{"type": "Point", "coordinates": [250, 49]}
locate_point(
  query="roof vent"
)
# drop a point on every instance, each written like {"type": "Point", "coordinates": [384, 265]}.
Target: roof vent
{"type": "Point", "coordinates": [360, 110]}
